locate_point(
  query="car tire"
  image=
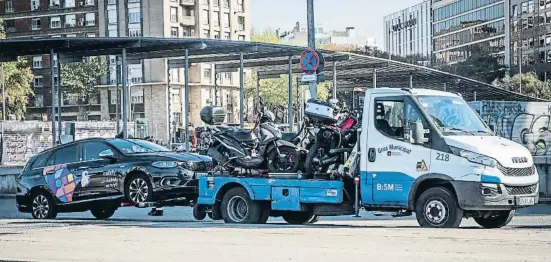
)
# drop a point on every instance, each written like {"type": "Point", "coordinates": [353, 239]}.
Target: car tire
{"type": "Point", "coordinates": [103, 213]}
{"type": "Point", "coordinates": [298, 218]}
{"type": "Point", "coordinates": [199, 212]}
{"type": "Point", "coordinates": [239, 208]}
{"type": "Point", "coordinates": [138, 189]}
{"type": "Point", "coordinates": [438, 208]}
{"type": "Point", "coordinates": [43, 206]}
{"type": "Point", "coordinates": [498, 219]}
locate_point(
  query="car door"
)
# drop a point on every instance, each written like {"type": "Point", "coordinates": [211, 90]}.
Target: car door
{"type": "Point", "coordinates": [100, 177]}
{"type": "Point", "coordinates": [62, 173]}
{"type": "Point", "coordinates": [394, 161]}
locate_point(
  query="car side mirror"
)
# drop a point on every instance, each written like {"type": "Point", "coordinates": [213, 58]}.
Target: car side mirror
{"type": "Point", "coordinates": [107, 155]}
{"type": "Point", "coordinates": [418, 133]}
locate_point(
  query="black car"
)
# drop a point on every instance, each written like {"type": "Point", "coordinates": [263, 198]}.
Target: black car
{"type": "Point", "coordinates": [100, 174]}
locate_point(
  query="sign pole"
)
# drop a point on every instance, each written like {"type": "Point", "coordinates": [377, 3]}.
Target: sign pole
{"type": "Point", "coordinates": [311, 42]}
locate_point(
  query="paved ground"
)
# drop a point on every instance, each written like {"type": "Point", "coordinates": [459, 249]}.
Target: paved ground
{"type": "Point", "coordinates": [133, 236]}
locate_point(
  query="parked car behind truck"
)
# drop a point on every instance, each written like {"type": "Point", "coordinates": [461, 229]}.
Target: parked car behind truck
{"type": "Point", "coordinates": [99, 174]}
{"type": "Point", "coordinates": [421, 151]}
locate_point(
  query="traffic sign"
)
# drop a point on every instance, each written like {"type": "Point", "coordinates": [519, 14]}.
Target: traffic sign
{"type": "Point", "coordinates": [309, 78]}
{"type": "Point", "coordinates": [309, 61]}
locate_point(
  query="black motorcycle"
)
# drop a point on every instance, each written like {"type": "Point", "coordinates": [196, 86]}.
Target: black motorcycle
{"type": "Point", "coordinates": [234, 148]}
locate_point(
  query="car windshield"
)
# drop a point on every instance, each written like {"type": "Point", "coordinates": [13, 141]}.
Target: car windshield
{"type": "Point", "coordinates": [136, 146]}
{"type": "Point", "coordinates": [453, 116]}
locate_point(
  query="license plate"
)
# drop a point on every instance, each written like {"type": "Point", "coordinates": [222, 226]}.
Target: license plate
{"type": "Point", "coordinates": [525, 201]}
{"type": "Point", "coordinates": [198, 175]}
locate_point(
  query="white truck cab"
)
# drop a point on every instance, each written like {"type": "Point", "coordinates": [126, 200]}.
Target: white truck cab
{"type": "Point", "coordinates": [429, 152]}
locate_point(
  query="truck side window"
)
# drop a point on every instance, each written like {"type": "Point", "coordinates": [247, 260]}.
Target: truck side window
{"type": "Point", "coordinates": [389, 118]}
{"type": "Point", "coordinates": [412, 115]}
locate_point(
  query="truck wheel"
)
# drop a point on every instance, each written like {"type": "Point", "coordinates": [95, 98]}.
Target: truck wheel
{"type": "Point", "coordinates": [43, 206]}
{"type": "Point", "coordinates": [265, 215]}
{"type": "Point", "coordinates": [103, 213]}
{"type": "Point", "coordinates": [239, 208]}
{"type": "Point", "coordinates": [298, 218]}
{"type": "Point", "coordinates": [496, 219]}
{"type": "Point", "coordinates": [198, 212]}
{"type": "Point", "coordinates": [438, 208]}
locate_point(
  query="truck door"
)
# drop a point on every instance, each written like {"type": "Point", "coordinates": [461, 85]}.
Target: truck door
{"type": "Point", "coordinates": [394, 161]}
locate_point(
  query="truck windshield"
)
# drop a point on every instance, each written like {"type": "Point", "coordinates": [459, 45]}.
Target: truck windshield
{"type": "Point", "coordinates": [453, 116]}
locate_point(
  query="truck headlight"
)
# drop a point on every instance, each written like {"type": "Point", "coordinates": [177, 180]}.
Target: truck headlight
{"type": "Point", "coordinates": [474, 157]}
{"type": "Point", "coordinates": [165, 164]}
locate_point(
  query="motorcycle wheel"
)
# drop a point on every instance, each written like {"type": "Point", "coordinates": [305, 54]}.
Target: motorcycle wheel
{"type": "Point", "coordinates": [292, 160]}
{"type": "Point", "coordinates": [311, 166]}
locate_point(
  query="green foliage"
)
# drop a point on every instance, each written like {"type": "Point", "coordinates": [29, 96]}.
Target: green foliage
{"type": "Point", "coordinates": [18, 77]}
{"type": "Point", "coordinates": [480, 65]}
{"type": "Point", "coordinates": [266, 36]}
{"type": "Point", "coordinates": [531, 85]}
{"type": "Point", "coordinates": [81, 79]}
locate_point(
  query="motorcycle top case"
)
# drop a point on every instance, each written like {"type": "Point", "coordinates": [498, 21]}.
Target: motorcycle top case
{"type": "Point", "coordinates": [320, 111]}
{"type": "Point", "coordinates": [213, 115]}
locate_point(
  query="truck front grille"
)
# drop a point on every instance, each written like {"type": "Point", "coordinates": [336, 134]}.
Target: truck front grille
{"type": "Point", "coordinates": [527, 171]}
{"type": "Point", "coordinates": [521, 190]}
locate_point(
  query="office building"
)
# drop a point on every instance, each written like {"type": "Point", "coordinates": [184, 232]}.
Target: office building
{"type": "Point", "coordinates": [530, 37]}
{"type": "Point", "coordinates": [461, 26]}
{"type": "Point", "coordinates": [219, 19]}
{"type": "Point", "coordinates": [408, 32]}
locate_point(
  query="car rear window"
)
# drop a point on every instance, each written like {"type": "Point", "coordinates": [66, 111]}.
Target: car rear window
{"type": "Point", "coordinates": [64, 155]}
{"type": "Point", "coordinates": [38, 161]}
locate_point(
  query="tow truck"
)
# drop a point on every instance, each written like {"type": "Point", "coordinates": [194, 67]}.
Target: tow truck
{"type": "Point", "coordinates": [420, 151]}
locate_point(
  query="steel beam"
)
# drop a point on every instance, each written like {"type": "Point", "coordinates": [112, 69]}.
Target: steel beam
{"type": "Point", "coordinates": [52, 73]}
{"type": "Point", "coordinates": [186, 106]}
{"type": "Point", "coordinates": [241, 92]}
{"type": "Point", "coordinates": [290, 116]}
{"type": "Point", "coordinates": [124, 74]}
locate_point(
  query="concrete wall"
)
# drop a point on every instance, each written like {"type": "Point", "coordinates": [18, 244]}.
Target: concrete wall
{"type": "Point", "coordinates": [7, 179]}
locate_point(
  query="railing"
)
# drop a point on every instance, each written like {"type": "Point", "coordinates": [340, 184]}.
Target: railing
{"type": "Point", "coordinates": [187, 2]}
{"type": "Point", "coordinates": [187, 20]}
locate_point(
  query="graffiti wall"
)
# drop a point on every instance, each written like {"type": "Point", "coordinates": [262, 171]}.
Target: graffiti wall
{"type": "Point", "coordinates": [21, 140]}
{"type": "Point", "coordinates": [527, 123]}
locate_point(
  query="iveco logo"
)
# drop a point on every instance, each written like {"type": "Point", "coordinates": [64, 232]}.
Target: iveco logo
{"type": "Point", "coordinates": [519, 160]}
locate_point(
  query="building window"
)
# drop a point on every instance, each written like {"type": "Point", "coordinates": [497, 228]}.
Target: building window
{"type": "Point", "coordinates": [90, 2]}
{"type": "Point", "coordinates": [205, 18]}
{"type": "Point", "coordinates": [38, 81]}
{"type": "Point", "coordinates": [216, 18]}
{"type": "Point", "coordinates": [54, 3]}
{"type": "Point", "coordinates": [112, 2]}
{"type": "Point", "coordinates": [35, 5]}
{"type": "Point", "coordinates": [174, 32]}
{"type": "Point", "coordinates": [226, 3]}
{"type": "Point", "coordinates": [69, 3]}
{"type": "Point", "coordinates": [241, 38]}
{"type": "Point", "coordinates": [71, 35]}
{"type": "Point", "coordinates": [134, 33]}
{"type": "Point", "coordinates": [240, 6]}
{"type": "Point", "coordinates": [134, 17]}
{"type": "Point", "coordinates": [112, 33]}
{"type": "Point", "coordinates": [55, 22]}
{"type": "Point", "coordinates": [70, 20]}
{"type": "Point", "coordinates": [216, 34]}
{"type": "Point", "coordinates": [206, 33]}
{"type": "Point", "coordinates": [227, 19]}
{"type": "Point", "coordinates": [90, 35]}
{"type": "Point", "coordinates": [216, 3]}
{"type": "Point", "coordinates": [173, 14]}
{"type": "Point", "coordinates": [188, 32]}
{"type": "Point", "coordinates": [8, 6]}
{"type": "Point", "coordinates": [206, 2]}
{"type": "Point", "coordinates": [90, 19]}
{"type": "Point", "coordinates": [112, 17]}
{"type": "Point", "coordinates": [207, 75]}
{"type": "Point", "coordinates": [241, 22]}
{"type": "Point", "coordinates": [229, 77]}
{"type": "Point", "coordinates": [35, 23]}
{"type": "Point", "coordinates": [37, 62]}
{"type": "Point", "coordinates": [226, 35]}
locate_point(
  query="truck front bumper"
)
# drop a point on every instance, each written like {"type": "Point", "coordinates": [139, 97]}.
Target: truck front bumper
{"type": "Point", "coordinates": [486, 196]}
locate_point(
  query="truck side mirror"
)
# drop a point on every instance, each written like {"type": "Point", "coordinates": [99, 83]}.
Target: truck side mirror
{"type": "Point", "coordinates": [418, 133]}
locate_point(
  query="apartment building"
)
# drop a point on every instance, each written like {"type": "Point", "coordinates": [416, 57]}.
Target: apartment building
{"type": "Point", "coordinates": [218, 19]}
{"type": "Point", "coordinates": [50, 18]}
{"type": "Point", "coordinates": [529, 31]}
{"type": "Point", "coordinates": [459, 26]}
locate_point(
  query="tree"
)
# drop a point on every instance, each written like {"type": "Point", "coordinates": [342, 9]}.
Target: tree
{"type": "Point", "coordinates": [531, 85]}
{"type": "Point", "coordinates": [81, 79]}
{"type": "Point", "coordinates": [480, 65]}
{"type": "Point", "coordinates": [18, 77]}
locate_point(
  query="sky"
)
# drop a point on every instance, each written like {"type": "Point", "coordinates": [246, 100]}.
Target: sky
{"type": "Point", "coordinates": [365, 15]}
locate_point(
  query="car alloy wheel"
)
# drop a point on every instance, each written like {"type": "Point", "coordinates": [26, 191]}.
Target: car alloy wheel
{"type": "Point", "coordinates": [41, 207]}
{"type": "Point", "coordinates": [138, 190]}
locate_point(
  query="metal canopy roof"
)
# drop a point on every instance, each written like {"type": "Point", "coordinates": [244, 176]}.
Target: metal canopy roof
{"type": "Point", "coordinates": [270, 60]}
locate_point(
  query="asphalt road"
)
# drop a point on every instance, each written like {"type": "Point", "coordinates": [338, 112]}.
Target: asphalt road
{"type": "Point", "coordinates": [131, 235]}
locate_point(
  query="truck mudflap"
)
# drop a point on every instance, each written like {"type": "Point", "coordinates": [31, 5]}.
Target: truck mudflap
{"type": "Point", "coordinates": [492, 196]}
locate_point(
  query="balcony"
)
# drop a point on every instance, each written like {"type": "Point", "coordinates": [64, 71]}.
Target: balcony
{"type": "Point", "coordinates": [187, 2]}
{"type": "Point", "coordinates": [186, 20]}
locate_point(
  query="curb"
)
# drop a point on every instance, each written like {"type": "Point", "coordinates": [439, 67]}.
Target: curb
{"type": "Point", "coordinates": [7, 196]}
